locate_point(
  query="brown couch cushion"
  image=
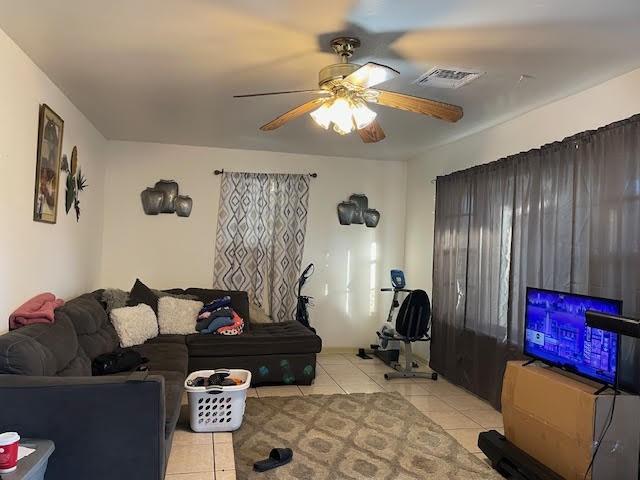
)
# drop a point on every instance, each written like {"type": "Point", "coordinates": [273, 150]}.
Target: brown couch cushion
{"type": "Point", "coordinates": [172, 357]}
{"type": "Point", "coordinates": [262, 339]}
{"type": "Point", "coordinates": [44, 350]}
{"type": "Point", "coordinates": [173, 388]}
{"type": "Point", "coordinates": [169, 338]}
{"type": "Point", "coordinates": [95, 332]}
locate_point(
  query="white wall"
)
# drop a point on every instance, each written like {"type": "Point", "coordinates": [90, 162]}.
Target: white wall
{"type": "Point", "coordinates": [614, 100]}
{"type": "Point", "coordinates": [168, 251]}
{"type": "Point", "coordinates": [36, 257]}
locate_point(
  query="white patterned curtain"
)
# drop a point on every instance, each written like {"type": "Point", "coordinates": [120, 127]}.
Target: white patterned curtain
{"type": "Point", "coordinates": [262, 221]}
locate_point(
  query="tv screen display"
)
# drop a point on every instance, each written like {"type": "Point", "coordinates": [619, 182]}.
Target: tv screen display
{"type": "Point", "coordinates": [556, 333]}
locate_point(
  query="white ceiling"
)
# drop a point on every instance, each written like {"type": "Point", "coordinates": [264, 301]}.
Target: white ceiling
{"type": "Point", "coordinates": [165, 70]}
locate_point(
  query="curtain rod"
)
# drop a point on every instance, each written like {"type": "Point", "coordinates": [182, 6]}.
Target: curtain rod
{"type": "Point", "coordinates": [220, 172]}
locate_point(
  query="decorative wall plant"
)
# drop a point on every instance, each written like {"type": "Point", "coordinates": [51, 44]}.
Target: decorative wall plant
{"type": "Point", "coordinates": [356, 211]}
{"type": "Point", "coordinates": [76, 182]}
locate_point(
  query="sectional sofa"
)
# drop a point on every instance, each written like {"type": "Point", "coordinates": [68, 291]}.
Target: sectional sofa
{"type": "Point", "coordinates": [121, 426]}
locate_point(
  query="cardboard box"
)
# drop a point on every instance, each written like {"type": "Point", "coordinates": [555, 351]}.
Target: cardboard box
{"type": "Point", "coordinates": [553, 417]}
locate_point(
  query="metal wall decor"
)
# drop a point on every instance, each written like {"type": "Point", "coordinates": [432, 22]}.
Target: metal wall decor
{"type": "Point", "coordinates": [183, 204]}
{"type": "Point", "coordinates": [76, 183]}
{"type": "Point", "coordinates": [356, 211]}
{"type": "Point", "coordinates": [345, 212]}
{"type": "Point", "coordinates": [163, 197]}
{"type": "Point", "coordinates": [362, 203]}
{"type": "Point", "coordinates": [371, 217]}
{"type": "Point", "coordinates": [170, 190]}
{"type": "Point", "coordinates": [152, 201]}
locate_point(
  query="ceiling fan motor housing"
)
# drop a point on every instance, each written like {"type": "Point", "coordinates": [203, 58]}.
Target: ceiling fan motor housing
{"type": "Point", "coordinates": [331, 74]}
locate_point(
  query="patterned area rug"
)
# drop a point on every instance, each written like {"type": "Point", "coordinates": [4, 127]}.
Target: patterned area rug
{"type": "Point", "coordinates": [355, 437]}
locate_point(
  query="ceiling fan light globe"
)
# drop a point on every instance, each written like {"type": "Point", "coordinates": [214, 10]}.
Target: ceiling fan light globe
{"type": "Point", "coordinates": [341, 116]}
{"type": "Point", "coordinates": [363, 115]}
{"type": "Point", "coordinates": [322, 115]}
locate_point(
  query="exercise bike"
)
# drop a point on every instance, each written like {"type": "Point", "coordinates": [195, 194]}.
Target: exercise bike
{"type": "Point", "coordinates": [388, 350]}
{"type": "Point", "coordinates": [302, 314]}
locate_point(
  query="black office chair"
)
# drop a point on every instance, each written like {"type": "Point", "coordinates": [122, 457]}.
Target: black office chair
{"type": "Point", "coordinates": [412, 325]}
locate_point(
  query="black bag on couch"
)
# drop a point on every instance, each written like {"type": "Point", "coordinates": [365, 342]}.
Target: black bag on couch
{"type": "Point", "coordinates": [121, 360]}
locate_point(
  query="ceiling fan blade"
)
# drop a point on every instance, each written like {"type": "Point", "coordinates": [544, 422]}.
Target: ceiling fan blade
{"type": "Point", "coordinates": [440, 110]}
{"type": "Point", "coordinates": [292, 114]}
{"type": "Point", "coordinates": [372, 133]}
{"type": "Point", "coordinates": [317, 91]}
{"type": "Point", "coordinates": [371, 74]}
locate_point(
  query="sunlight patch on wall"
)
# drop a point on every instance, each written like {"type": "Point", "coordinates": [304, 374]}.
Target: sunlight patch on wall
{"type": "Point", "coordinates": [372, 278]}
{"type": "Point", "coordinates": [348, 283]}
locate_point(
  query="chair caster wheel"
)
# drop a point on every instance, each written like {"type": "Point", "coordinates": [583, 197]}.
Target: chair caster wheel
{"type": "Point", "coordinates": [386, 376]}
{"type": "Point", "coordinates": [434, 376]}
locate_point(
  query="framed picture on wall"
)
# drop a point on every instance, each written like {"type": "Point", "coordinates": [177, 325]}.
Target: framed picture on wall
{"type": "Point", "coordinates": [50, 129]}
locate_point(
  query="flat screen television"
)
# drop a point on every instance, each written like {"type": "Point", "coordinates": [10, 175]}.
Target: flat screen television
{"type": "Point", "coordinates": [556, 333]}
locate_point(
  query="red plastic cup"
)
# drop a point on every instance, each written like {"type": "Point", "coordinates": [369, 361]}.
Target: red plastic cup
{"type": "Point", "coordinates": [8, 452]}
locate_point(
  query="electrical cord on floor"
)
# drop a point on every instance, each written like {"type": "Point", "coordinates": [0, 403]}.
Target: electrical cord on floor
{"type": "Point", "coordinates": [604, 431]}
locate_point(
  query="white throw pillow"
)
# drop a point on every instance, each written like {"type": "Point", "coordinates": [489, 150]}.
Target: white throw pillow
{"type": "Point", "coordinates": [178, 316]}
{"type": "Point", "coordinates": [134, 325]}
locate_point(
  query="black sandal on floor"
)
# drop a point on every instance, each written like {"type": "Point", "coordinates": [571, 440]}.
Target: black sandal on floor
{"type": "Point", "coordinates": [277, 458]}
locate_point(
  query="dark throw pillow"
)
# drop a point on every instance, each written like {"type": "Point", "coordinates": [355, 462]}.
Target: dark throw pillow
{"type": "Point", "coordinates": [140, 293]}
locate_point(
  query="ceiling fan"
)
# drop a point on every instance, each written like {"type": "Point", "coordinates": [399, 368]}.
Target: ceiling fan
{"type": "Point", "coordinates": [346, 89]}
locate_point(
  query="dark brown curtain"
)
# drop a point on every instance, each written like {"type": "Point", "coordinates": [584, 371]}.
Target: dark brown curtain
{"type": "Point", "coordinates": [563, 217]}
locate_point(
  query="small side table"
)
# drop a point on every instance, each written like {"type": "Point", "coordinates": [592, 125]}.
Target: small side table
{"type": "Point", "coordinates": [33, 466]}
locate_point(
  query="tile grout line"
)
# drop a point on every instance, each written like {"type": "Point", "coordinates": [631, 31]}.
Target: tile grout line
{"type": "Point", "coordinates": [213, 452]}
{"type": "Point", "coordinates": [355, 383]}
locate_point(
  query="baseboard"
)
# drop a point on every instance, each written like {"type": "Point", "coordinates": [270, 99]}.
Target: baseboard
{"type": "Point", "coordinates": [354, 350]}
{"type": "Point", "coordinates": [337, 350]}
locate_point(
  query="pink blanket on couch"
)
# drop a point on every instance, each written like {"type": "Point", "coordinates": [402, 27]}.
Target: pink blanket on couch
{"type": "Point", "coordinates": [39, 309]}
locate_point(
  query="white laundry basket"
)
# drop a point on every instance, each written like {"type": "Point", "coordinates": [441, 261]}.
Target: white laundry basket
{"type": "Point", "coordinates": [216, 408]}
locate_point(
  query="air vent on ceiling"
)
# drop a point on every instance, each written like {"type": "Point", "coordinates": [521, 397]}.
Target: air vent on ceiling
{"type": "Point", "coordinates": [447, 77]}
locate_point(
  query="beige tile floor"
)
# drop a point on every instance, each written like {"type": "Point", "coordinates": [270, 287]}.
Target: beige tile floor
{"type": "Point", "coordinates": [200, 456]}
